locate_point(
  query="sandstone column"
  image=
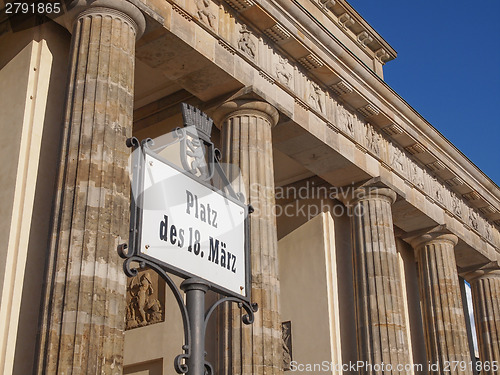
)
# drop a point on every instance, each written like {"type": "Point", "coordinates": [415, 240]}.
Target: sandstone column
{"type": "Point", "coordinates": [247, 144]}
{"type": "Point", "coordinates": [380, 321]}
{"type": "Point", "coordinates": [486, 297]}
{"type": "Point", "coordinates": [442, 309]}
{"type": "Point", "coordinates": [82, 321]}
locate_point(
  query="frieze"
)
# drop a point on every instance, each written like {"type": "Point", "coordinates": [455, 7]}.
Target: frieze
{"type": "Point", "coordinates": [372, 139]}
{"type": "Point", "coordinates": [245, 42]}
{"type": "Point", "coordinates": [456, 205]}
{"type": "Point", "coordinates": [346, 120]}
{"type": "Point", "coordinates": [436, 190]}
{"type": "Point", "coordinates": [473, 219]}
{"type": "Point", "coordinates": [398, 159]}
{"type": "Point", "coordinates": [205, 14]}
{"type": "Point", "coordinates": [284, 72]}
{"type": "Point", "coordinates": [418, 176]}
{"type": "Point", "coordinates": [315, 97]}
{"type": "Point", "coordinates": [488, 231]}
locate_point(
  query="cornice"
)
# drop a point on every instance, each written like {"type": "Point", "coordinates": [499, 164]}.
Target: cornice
{"type": "Point", "coordinates": [354, 26]}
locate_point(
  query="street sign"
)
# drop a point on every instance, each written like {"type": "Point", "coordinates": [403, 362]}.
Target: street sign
{"type": "Point", "coordinates": [192, 229]}
{"type": "Point", "coordinates": [180, 223]}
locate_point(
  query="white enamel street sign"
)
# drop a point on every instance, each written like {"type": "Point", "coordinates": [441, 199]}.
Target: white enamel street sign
{"type": "Point", "coordinates": [191, 229]}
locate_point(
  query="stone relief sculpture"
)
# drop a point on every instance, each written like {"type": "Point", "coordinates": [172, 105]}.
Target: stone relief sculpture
{"type": "Point", "coordinates": [487, 229]}
{"type": "Point", "coordinates": [143, 308]}
{"type": "Point", "coordinates": [397, 159]}
{"type": "Point", "coordinates": [456, 208]}
{"type": "Point", "coordinates": [286, 337]}
{"type": "Point", "coordinates": [417, 176]}
{"type": "Point", "coordinates": [245, 43]}
{"type": "Point", "coordinates": [372, 139]}
{"type": "Point", "coordinates": [204, 13]}
{"type": "Point", "coordinates": [436, 188]}
{"type": "Point", "coordinates": [473, 219]}
{"type": "Point", "coordinates": [314, 97]}
{"type": "Point", "coordinates": [346, 121]}
{"type": "Point", "coordinates": [282, 73]}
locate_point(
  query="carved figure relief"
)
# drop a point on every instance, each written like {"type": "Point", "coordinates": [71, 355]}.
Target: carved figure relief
{"type": "Point", "coordinates": [436, 189]}
{"type": "Point", "coordinates": [143, 308]}
{"type": "Point", "coordinates": [286, 338]}
{"type": "Point", "coordinates": [397, 159]}
{"type": "Point", "coordinates": [473, 219]}
{"type": "Point", "coordinates": [487, 229]}
{"type": "Point", "coordinates": [346, 121]}
{"type": "Point", "coordinates": [282, 73]}
{"type": "Point", "coordinates": [456, 208]}
{"type": "Point", "coordinates": [204, 13]}
{"type": "Point", "coordinates": [245, 43]}
{"type": "Point", "coordinates": [372, 139]}
{"type": "Point", "coordinates": [314, 98]}
{"type": "Point", "coordinates": [417, 176]}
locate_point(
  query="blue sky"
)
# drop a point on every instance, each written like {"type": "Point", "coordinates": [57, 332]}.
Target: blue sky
{"type": "Point", "coordinates": [448, 68]}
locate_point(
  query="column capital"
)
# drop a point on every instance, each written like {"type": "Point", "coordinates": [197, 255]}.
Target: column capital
{"type": "Point", "coordinates": [241, 107]}
{"type": "Point", "coordinates": [369, 192]}
{"type": "Point", "coordinates": [121, 8]}
{"type": "Point", "coordinates": [485, 271]}
{"type": "Point", "coordinates": [433, 237]}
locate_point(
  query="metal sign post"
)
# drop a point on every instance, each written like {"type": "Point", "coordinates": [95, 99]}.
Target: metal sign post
{"type": "Point", "coordinates": [195, 290]}
{"type": "Point", "coordinates": [180, 223]}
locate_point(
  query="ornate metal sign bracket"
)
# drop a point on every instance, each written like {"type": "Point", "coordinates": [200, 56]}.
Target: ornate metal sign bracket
{"type": "Point", "coordinates": [201, 160]}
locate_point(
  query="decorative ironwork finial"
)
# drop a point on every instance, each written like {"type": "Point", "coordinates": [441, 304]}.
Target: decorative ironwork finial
{"type": "Point", "coordinates": [192, 116]}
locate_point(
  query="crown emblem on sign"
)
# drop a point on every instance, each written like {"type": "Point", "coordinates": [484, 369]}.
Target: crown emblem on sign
{"type": "Point", "coordinates": [192, 116]}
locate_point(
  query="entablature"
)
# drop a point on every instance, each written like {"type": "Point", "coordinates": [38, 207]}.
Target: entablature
{"type": "Point", "coordinates": [295, 58]}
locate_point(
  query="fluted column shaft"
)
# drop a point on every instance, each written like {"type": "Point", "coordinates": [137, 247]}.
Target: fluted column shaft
{"type": "Point", "coordinates": [443, 314]}
{"type": "Point", "coordinates": [247, 145]}
{"type": "Point", "coordinates": [82, 321]}
{"type": "Point", "coordinates": [380, 321]}
{"type": "Point", "coordinates": [486, 299]}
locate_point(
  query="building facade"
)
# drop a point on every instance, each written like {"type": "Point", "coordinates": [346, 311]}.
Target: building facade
{"type": "Point", "coordinates": [368, 221]}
